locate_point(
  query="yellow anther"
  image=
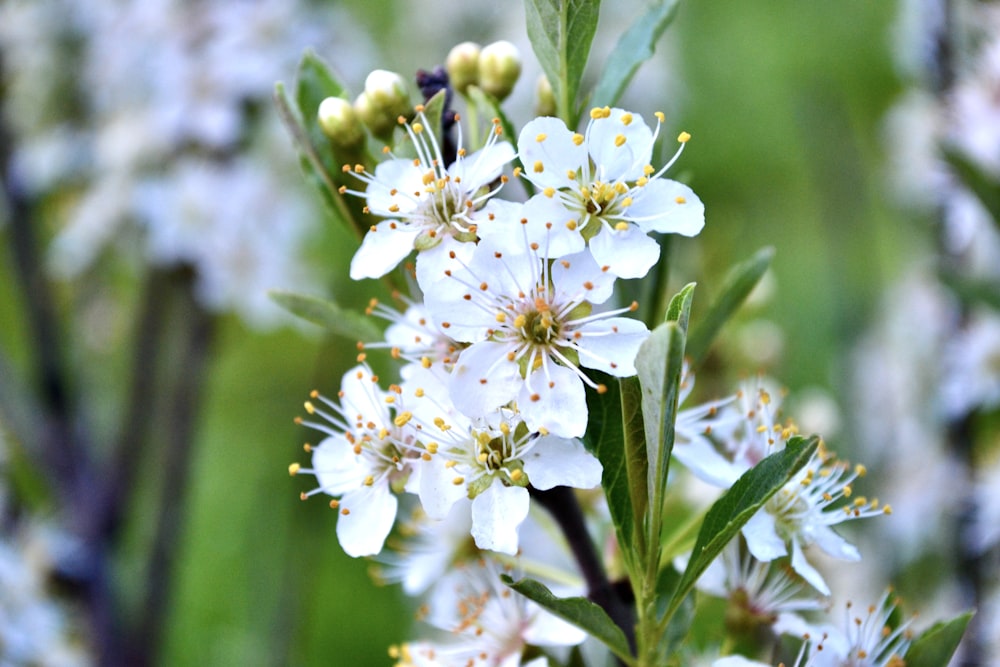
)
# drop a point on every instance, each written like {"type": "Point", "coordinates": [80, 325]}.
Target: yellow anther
{"type": "Point", "coordinates": [505, 428]}
{"type": "Point", "coordinates": [309, 408]}
{"type": "Point", "coordinates": [596, 113]}
{"type": "Point", "coordinates": [683, 137]}
{"type": "Point", "coordinates": [571, 225]}
{"type": "Point", "coordinates": [549, 192]}
{"type": "Point", "coordinates": [541, 137]}
{"type": "Point", "coordinates": [293, 469]}
{"type": "Point", "coordinates": [458, 481]}
{"type": "Point", "coordinates": [501, 317]}
{"type": "Point", "coordinates": [577, 138]}
{"type": "Point", "coordinates": [403, 418]}
{"type": "Point", "coordinates": [626, 118]}
{"type": "Point", "coordinates": [417, 127]}
{"type": "Point", "coordinates": [520, 321]}
{"type": "Point", "coordinates": [483, 456]}
{"type": "Point", "coordinates": [538, 167]}
{"type": "Point", "coordinates": [620, 140]}
{"type": "Point", "coordinates": [860, 470]}
{"type": "Point", "coordinates": [621, 226]}
{"type": "Point", "coordinates": [626, 202]}
{"type": "Point", "coordinates": [680, 200]}
{"type": "Point", "coordinates": [516, 475]}
{"type": "Point", "coordinates": [369, 480]}
{"type": "Point", "coordinates": [425, 362]}
{"type": "Point", "coordinates": [660, 117]}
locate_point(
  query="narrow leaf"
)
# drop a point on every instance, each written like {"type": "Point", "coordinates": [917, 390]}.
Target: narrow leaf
{"type": "Point", "coordinates": [738, 284]}
{"type": "Point", "coordinates": [679, 309]}
{"type": "Point", "coordinates": [936, 645]}
{"type": "Point", "coordinates": [730, 512]}
{"type": "Point", "coordinates": [636, 458]}
{"type": "Point", "coordinates": [606, 440]}
{"type": "Point", "coordinates": [658, 365]}
{"type": "Point", "coordinates": [337, 320]}
{"type": "Point", "coordinates": [634, 47]}
{"type": "Point", "coordinates": [561, 33]}
{"type": "Point", "coordinates": [579, 611]}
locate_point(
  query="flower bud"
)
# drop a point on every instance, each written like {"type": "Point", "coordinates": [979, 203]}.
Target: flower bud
{"type": "Point", "coordinates": [388, 94]}
{"type": "Point", "coordinates": [340, 123]}
{"type": "Point", "coordinates": [499, 68]}
{"type": "Point", "coordinates": [379, 124]}
{"type": "Point", "coordinates": [545, 99]}
{"type": "Point", "coordinates": [462, 65]}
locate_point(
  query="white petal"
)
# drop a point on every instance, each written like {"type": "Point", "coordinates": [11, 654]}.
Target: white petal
{"type": "Point", "coordinates": [555, 461]}
{"type": "Point", "coordinates": [667, 206]}
{"type": "Point", "coordinates": [482, 167]}
{"type": "Point", "coordinates": [545, 629]}
{"type": "Point", "coordinates": [556, 154]}
{"type": "Point", "coordinates": [762, 537]}
{"type": "Point", "coordinates": [483, 379]}
{"type": "Point", "coordinates": [399, 176]}
{"type": "Point", "coordinates": [496, 514]}
{"type": "Point", "coordinates": [610, 345]}
{"type": "Point", "coordinates": [624, 161]}
{"type": "Point", "coordinates": [579, 276]}
{"type": "Point", "coordinates": [546, 226]}
{"type": "Point", "coordinates": [382, 249]}
{"type": "Point", "coordinates": [702, 459]}
{"type": "Point", "coordinates": [555, 402]}
{"type": "Point", "coordinates": [835, 545]}
{"type": "Point", "coordinates": [807, 571]}
{"type": "Point", "coordinates": [338, 468]}
{"type": "Point", "coordinates": [372, 511]}
{"type": "Point", "coordinates": [437, 489]}
{"type": "Point", "coordinates": [628, 253]}
{"type": "Point", "coordinates": [432, 263]}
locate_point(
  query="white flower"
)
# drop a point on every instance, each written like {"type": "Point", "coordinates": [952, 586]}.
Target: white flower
{"type": "Point", "coordinates": [490, 459]}
{"type": "Point", "coordinates": [428, 205]}
{"type": "Point", "coordinates": [413, 337]}
{"type": "Point", "coordinates": [530, 329]}
{"type": "Point", "coordinates": [367, 450]}
{"type": "Point", "coordinates": [801, 514]}
{"type": "Point", "coordinates": [599, 187]}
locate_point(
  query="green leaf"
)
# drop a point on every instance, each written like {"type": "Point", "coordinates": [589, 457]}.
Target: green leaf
{"type": "Point", "coordinates": [738, 284]}
{"type": "Point", "coordinates": [606, 439]}
{"type": "Point", "coordinates": [561, 32]}
{"type": "Point", "coordinates": [730, 512]}
{"type": "Point", "coordinates": [337, 320]}
{"type": "Point", "coordinates": [313, 166]}
{"type": "Point", "coordinates": [636, 458]}
{"type": "Point", "coordinates": [658, 365]}
{"type": "Point", "coordinates": [634, 47]}
{"type": "Point", "coordinates": [579, 611]}
{"type": "Point", "coordinates": [434, 110]}
{"type": "Point", "coordinates": [679, 309]}
{"type": "Point", "coordinates": [985, 187]}
{"type": "Point", "coordinates": [489, 103]}
{"type": "Point", "coordinates": [937, 644]}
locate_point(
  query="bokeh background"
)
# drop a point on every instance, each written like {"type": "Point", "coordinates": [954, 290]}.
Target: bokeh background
{"type": "Point", "coordinates": [144, 154]}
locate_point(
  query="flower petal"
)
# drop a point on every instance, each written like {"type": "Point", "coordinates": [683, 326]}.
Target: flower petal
{"type": "Point", "coordinates": [547, 162]}
{"type": "Point", "coordinates": [667, 206]}
{"type": "Point", "coordinates": [762, 537]}
{"type": "Point", "coordinates": [496, 514]}
{"type": "Point", "coordinates": [555, 401]}
{"type": "Point", "coordinates": [555, 461]}
{"type": "Point", "coordinates": [482, 167]}
{"type": "Point", "coordinates": [338, 468]}
{"type": "Point", "coordinates": [807, 571]}
{"type": "Point", "coordinates": [371, 512]}
{"type": "Point", "coordinates": [579, 275]}
{"type": "Point", "coordinates": [620, 150]}
{"type": "Point", "coordinates": [628, 253]}
{"type": "Point", "coordinates": [483, 379]}
{"type": "Point", "coordinates": [610, 345]}
{"type": "Point", "coordinates": [383, 248]}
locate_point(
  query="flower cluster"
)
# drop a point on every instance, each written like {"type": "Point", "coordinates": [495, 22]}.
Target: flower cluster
{"type": "Point", "coordinates": [510, 317]}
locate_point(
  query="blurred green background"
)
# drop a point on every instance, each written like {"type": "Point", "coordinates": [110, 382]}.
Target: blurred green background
{"type": "Point", "coordinates": [785, 99]}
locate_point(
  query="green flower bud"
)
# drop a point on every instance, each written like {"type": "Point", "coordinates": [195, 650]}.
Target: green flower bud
{"type": "Point", "coordinates": [340, 122]}
{"type": "Point", "coordinates": [388, 94]}
{"type": "Point", "coordinates": [545, 99]}
{"type": "Point", "coordinates": [499, 68]}
{"type": "Point", "coordinates": [379, 124]}
{"type": "Point", "coordinates": [462, 65]}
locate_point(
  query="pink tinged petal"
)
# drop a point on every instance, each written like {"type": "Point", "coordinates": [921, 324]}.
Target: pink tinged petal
{"type": "Point", "coordinates": [496, 514]}
{"type": "Point", "coordinates": [338, 468]}
{"type": "Point", "coordinates": [555, 402]}
{"type": "Point", "coordinates": [483, 379]}
{"type": "Point", "coordinates": [382, 249]}
{"type": "Point", "coordinates": [610, 345]}
{"type": "Point", "coordinates": [545, 629]}
{"type": "Point", "coordinates": [762, 537]}
{"type": "Point", "coordinates": [833, 544]}
{"type": "Point", "coordinates": [807, 571]}
{"type": "Point", "coordinates": [433, 262]}
{"type": "Point", "coordinates": [667, 206]}
{"type": "Point", "coordinates": [617, 159]}
{"type": "Point", "coordinates": [579, 275]}
{"type": "Point", "coordinates": [628, 253]}
{"type": "Point", "coordinates": [546, 162]}
{"type": "Point", "coordinates": [555, 461]}
{"type": "Point", "coordinates": [482, 167]}
{"type": "Point", "coordinates": [371, 512]}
